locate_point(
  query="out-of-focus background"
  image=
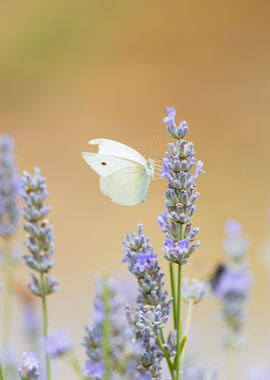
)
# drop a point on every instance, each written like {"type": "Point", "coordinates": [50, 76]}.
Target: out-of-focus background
{"type": "Point", "coordinates": [75, 70]}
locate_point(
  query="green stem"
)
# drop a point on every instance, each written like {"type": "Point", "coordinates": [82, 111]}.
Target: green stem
{"type": "Point", "coordinates": [45, 324]}
{"type": "Point", "coordinates": [76, 365]}
{"type": "Point", "coordinates": [106, 331]}
{"type": "Point", "coordinates": [1, 373]}
{"type": "Point", "coordinates": [232, 369]}
{"type": "Point", "coordinates": [160, 340]}
{"type": "Point", "coordinates": [179, 324]}
{"type": "Point", "coordinates": [173, 294]}
{"type": "Point", "coordinates": [7, 295]}
{"type": "Point", "coordinates": [187, 328]}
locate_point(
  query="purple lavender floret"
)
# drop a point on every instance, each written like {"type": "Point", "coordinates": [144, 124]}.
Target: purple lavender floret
{"type": "Point", "coordinates": [58, 344]}
{"type": "Point", "coordinates": [9, 188]}
{"type": "Point", "coordinates": [233, 284]}
{"type": "Point", "coordinates": [181, 196]}
{"type": "Point", "coordinates": [39, 238]}
{"type": "Point", "coordinates": [152, 304]}
{"type": "Point", "coordinates": [235, 244]}
{"type": "Point", "coordinates": [94, 371]}
{"type": "Point", "coordinates": [30, 366]}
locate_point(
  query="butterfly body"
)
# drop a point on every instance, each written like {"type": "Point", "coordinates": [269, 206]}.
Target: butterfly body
{"type": "Point", "coordinates": [125, 175]}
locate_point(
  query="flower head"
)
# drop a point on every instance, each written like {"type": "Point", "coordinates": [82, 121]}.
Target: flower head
{"type": "Point", "coordinates": [58, 344]}
{"type": "Point", "coordinates": [30, 366]}
{"type": "Point", "coordinates": [92, 370]}
{"type": "Point", "coordinates": [152, 304]}
{"type": "Point", "coordinates": [178, 169]}
{"type": "Point", "coordinates": [39, 238]}
{"type": "Point", "coordinates": [235, 244]}
{"type": "Point", "coordinates": [9, 188]}
{"type": "Point", "coordinates": [193, 291]}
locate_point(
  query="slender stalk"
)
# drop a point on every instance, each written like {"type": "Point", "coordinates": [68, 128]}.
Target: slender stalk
{"type": "Point", "coordinates": [1, 373]}
{"type": "Point", "coordinates": [232, 369]}
{"type": "Point", "coordinates": [106, 332]}
{"type": "Point", "coordinates": [75, 364]}
{"type": "Point", "coordinates": [45, 326]}
{"type": "Point", "coordinates": [187, 328]}
{"type": "Point", "coordinates": [160, 340]}
{"type": "Point", "coordinates": [179, 324]}
{"type": "Point", "coordinates": [7, 295]}
{"type": "Point", "coordinates": [173, 294]}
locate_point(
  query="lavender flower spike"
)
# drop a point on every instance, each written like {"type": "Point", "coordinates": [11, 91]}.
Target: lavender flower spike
{"type": "Point", "coordinates": [40, 244]}
{"type": "Point", "coordinates": [152, 305]}
{"type": "Point", "coordinates": [110, 345]}
{"type": "Point", "coordinates": [181, 196]}
{"type": "Point", "coordinates": [39, 238]}
{"type": "Point", "coordinates": [30, 366]}
{"type": "Point", "coordinates": [9, 189]}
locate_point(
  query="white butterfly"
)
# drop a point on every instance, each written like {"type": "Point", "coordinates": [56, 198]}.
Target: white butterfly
{"type": "Point", "coordinates": [125, 175]}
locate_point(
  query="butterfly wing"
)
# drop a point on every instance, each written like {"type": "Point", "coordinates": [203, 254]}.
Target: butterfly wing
{"type": "Point", "coordinates": [117, 149]}
{"type": "Point", "coordinates": [105, 164]}
{"type": "Point", "coordinates": [127, 186]}
{"type": "Point", "coordinates": [122, 170]}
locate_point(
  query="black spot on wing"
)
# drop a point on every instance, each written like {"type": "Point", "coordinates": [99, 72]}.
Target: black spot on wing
{"type": "Point", "coordinates": [103, 163]}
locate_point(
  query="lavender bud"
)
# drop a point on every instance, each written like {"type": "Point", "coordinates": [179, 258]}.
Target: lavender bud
{"type": "Point", "coordinates": [193, 291]}
{"type": "Point", "coordinates": [58, 344]}
{"type": "Point", "coordinates": [30, 366]}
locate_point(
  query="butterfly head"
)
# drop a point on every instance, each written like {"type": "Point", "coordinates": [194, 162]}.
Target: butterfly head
{"type": "Point", "coordinates": [149, 167]}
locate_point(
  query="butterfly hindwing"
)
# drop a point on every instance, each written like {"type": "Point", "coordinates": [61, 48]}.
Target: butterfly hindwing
{"type": "Point", "coordinates": [127, 186]}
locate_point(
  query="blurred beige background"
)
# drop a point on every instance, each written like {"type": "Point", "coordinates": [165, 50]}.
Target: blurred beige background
{"type": "Point", "coordinates": [75, 70]}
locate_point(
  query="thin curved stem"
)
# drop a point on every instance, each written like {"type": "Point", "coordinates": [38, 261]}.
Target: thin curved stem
{"type": "Point", "coordinates": [7, 316]}
{"type": "Point", "coordinates": [45, 326]}
{"type": "Point", "coordinates": [187, 329]}
{"type": "Point", "coordinates": [173, 294]}
{"type": "Point", "coordinates": [179, 324]}
{"type": "Point", "coordinates": [2, 377]}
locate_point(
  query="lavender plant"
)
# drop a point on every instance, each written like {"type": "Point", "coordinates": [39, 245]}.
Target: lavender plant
{"type": "Point", "coordinates": [111, 350]}
{"type": "Point", "coordinates": [9, 219]}
{"type": "Point", "coordinates": [231, 284]}
{"type": "Point", "coordinates": [176, 222]}
{"type": "Point", "coordinates": [40, 244]}
{"type": "Point", "coordinates": [152, 307]}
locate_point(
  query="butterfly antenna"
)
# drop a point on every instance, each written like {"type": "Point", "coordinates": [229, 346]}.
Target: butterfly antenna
{"type": "Point", "coordinates": [152, 143]}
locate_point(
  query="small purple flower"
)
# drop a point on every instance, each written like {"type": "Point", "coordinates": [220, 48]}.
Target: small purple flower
{"type": "Point", "coordinates": [92, 370]}
{"type": "Point", "coordinates": [171, 113]}
{"type": "Point", "coordinates": [199, 169]}
{"type": "Point", "coordinates": [233, 228]}
{"type": "Point", "coordinates": [58, 344]}
{"type": "Point", "coordinates": [179, 251]}
{"type": "Point", "coordinates": [236, 244]}
{"type": "Point", "coordinates": [30, 366]}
